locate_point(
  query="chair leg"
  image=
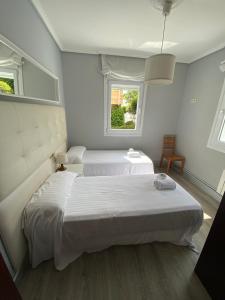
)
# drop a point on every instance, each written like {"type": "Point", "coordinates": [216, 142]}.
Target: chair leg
{"type": "Point", "coordinates": [161, 162]}
{"type": "Point", "coordinates": [182, 167]}
{"type": "Point", "coordinates": [168, 165]}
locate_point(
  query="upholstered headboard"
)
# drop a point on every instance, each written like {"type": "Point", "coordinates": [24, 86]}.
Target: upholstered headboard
{"type": "Point", "coordinates": [29, 136]}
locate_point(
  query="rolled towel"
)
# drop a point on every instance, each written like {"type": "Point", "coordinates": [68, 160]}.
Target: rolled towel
{"type": "Point", "coordinates": [165, 183]}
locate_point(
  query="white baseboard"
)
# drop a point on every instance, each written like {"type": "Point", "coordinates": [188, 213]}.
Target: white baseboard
{"type": "Point", "coordinates": [203, 185]}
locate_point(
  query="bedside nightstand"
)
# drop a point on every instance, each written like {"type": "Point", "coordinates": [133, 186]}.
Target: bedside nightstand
{"type": "Point", "coordinates": [77, 168]}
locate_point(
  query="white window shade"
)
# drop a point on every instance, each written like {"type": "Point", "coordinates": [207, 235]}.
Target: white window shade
{"type": "Point", "coordinates": [13, 60]}
{"type": "Point", "coordinates": [123, 68]}
{"type": "Point", "coordinates": [8, 58]}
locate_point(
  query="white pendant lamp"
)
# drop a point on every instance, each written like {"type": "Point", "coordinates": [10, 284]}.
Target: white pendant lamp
{"type": "Point", "coordinates": [159, 68]}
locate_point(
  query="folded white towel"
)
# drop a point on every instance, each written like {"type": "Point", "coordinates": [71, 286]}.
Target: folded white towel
{"type": "Point", "coordinates": [161, 176]}
{"type": "Point", "coordinates": [133, 154]}
{"type": "Point", "coordinates": [165, 184]}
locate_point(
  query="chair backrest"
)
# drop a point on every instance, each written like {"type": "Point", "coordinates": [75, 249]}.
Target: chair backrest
{"type": "Point", "coordinates": [169, 145]}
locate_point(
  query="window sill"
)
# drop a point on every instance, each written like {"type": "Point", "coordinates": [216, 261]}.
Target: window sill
{"type": "Point", "coordinates": [123, 133]}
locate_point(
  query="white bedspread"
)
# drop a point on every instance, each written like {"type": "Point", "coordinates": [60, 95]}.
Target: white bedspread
{"type": "Point", "coordinates": [105, 211]}
{"type": "Point", "coordinates": [115, 162]}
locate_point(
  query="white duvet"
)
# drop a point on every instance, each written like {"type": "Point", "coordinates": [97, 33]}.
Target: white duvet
{"type": "Point", "coordinates": [110, 162]}
{"type": "Point", "coordinates": [115, 162]}
{"type": "Point", "coordinates": [103, 211]}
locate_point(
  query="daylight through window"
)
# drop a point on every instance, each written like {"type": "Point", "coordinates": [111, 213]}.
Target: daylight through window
{"type": "Point", "coordinates": [124, 109]}
{"type": "Point", "coordinates": [124, 102]}
{"type": "Point", "coordinates": [217, 136]}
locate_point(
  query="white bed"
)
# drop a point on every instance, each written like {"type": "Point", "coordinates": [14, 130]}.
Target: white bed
{"type": "Point", "coordinates": [110, 162]}
{"type": "Point", "coordinates": [86, 214]}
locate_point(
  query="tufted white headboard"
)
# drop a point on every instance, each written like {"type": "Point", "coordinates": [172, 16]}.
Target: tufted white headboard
{"type": "Point", "coordinates": [29, 136]}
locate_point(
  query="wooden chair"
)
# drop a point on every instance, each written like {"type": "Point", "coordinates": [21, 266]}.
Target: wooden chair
{"type": "Point", "coordinates": [169, 153]}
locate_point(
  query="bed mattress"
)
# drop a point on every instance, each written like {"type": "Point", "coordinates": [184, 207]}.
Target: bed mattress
{"type": "Point", "coordinates": [114, 210]}
{"type": "Point", "coordinates": [122, 210]}
{"type": "Point", "coordinates": [115, 162]}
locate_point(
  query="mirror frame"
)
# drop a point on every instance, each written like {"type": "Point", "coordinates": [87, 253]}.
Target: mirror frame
{"type": "Point", "coordinates": [27, 99]}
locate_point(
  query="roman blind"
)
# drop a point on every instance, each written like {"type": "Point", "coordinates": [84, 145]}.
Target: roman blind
{"type": "Point", "coordinates": [122, 68]}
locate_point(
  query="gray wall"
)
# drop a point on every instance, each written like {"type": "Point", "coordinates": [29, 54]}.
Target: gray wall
{"type": "Point", "coordinates": [20, 23]}
{"type": "Point", "coordinates": [204, 81]}
{"type": "Point", "coordinates": [84, 103]}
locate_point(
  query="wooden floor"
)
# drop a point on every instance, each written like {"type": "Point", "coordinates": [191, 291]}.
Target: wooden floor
{"type": "Point", "coordinates": [157, 271]}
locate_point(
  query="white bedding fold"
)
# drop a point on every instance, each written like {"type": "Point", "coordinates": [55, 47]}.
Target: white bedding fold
{"type": "Point", "coordinates": [43, 216]}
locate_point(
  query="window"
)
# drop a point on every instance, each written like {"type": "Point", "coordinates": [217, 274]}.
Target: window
{"type": "Point", "coordinates": [217, 136]}
{"type": "Point", "coordinates": [124, 101]}
{"type": "Point", "coordinates": [8, 81]}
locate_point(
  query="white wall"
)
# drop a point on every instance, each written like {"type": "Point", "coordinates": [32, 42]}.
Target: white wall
{"type": "Point", "coordinates": [204, 81]}
{"type": "Point", "coordinates": [84, 103]}
{"type": "Point", "coordinates": [20, 23]}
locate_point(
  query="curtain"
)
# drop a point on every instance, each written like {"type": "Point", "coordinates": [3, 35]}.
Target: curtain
{"type": "Point", "coordinates": [123, 68]}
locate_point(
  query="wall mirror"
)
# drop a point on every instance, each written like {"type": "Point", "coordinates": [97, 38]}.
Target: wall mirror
{"type": "Point", "coordinates": [22, 76]}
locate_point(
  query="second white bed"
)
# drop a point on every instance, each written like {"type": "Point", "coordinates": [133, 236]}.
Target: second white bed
{"type": "Point", "coordinates": [110, 162]}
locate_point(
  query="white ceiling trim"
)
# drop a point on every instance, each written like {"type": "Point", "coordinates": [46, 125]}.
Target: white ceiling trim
{"type": "Point", "coordinates": [39, 9]}
{"type": "Point", "coordinates": [105, 52]}
{"type": "Point", "coordinates": [212, 50]}
{"type": "Point", "coordinates": [115, 53]}
{"type": "Point", "coordinates": [128, 54]}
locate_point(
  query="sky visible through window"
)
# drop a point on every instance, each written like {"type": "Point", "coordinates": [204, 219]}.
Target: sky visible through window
{"type": "Point", "coordinates": [124, 102]}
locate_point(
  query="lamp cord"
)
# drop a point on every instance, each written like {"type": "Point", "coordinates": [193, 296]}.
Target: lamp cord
{"type": "Point", "coordinates": [163, 35]}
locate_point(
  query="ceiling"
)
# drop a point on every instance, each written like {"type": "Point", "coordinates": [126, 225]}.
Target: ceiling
{"type": "Point", "coordinates": [194, 29]}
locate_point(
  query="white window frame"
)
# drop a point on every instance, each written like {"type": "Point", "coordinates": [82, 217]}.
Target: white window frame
{"type": "Point", "coordinates": [18, 78]}
{"type": "Point", "coordinates": [214, 138]}
{"type": "Point", "coordinates": [108, 131]}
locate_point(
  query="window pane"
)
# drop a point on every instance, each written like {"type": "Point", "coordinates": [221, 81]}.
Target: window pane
{"type": "Point", "coordinates": [7, 83]}
{"type": "Point", "coordinates": [124, 102]}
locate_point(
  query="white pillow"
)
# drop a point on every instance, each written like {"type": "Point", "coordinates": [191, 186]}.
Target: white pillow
{"type": "Point", "coordinates": [53, 192]}
{"type": "Point", "coordinates": [75, 154]}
